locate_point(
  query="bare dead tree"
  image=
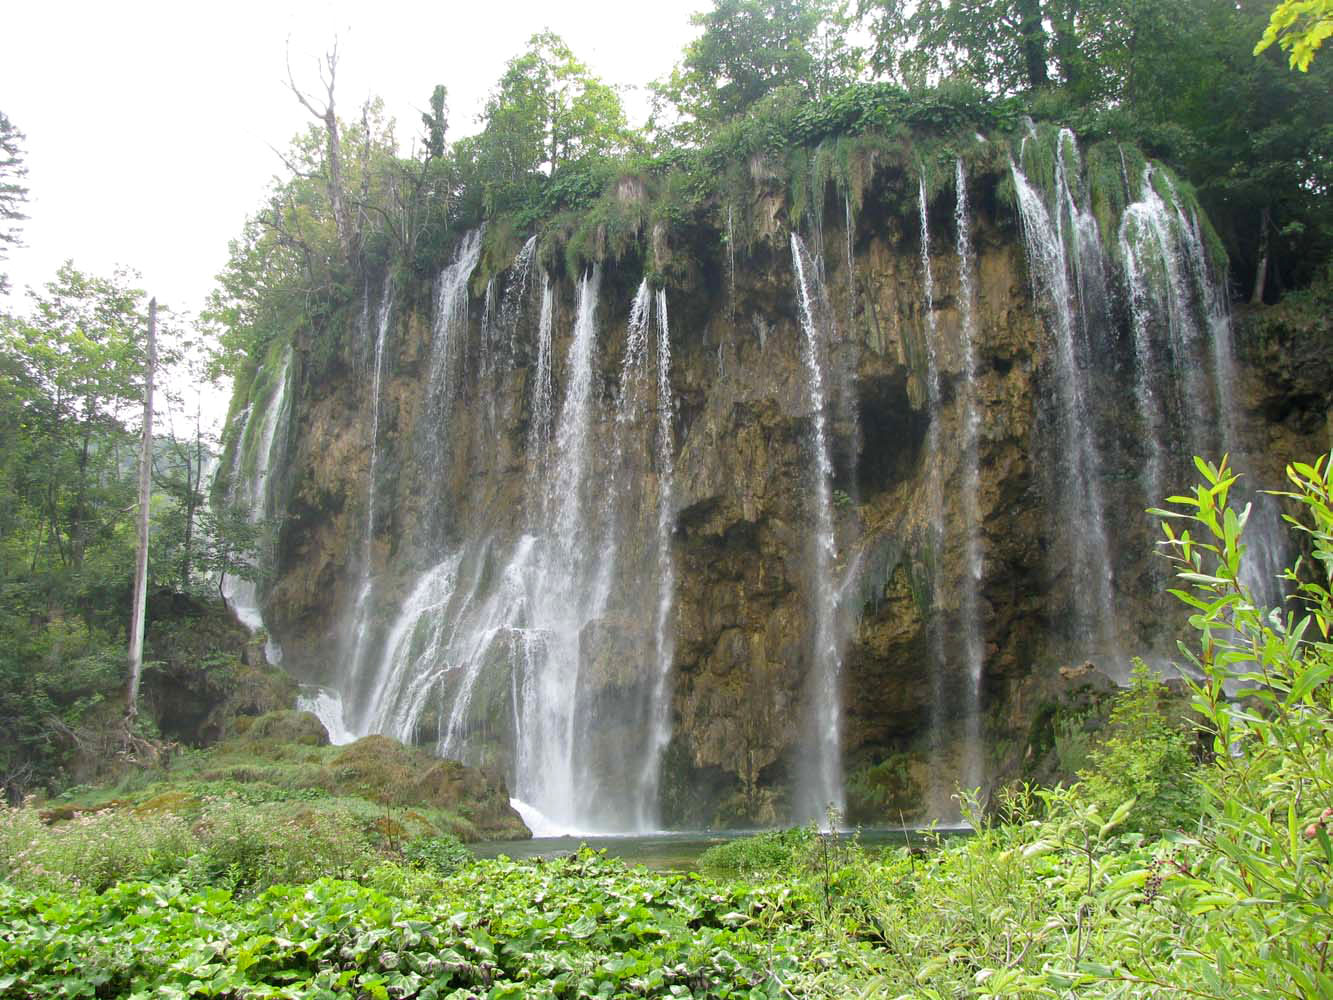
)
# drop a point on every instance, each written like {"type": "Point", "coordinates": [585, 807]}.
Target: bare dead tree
{"type": "Point", "coordinates": [145, 495]}
{"type": "Point", "coordinates": [347, 231]}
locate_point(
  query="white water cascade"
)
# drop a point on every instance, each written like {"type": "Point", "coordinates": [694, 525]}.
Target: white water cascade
{"type": "Point", "coordinates": [1065, 261]}
{"type": "Point", "coordinates": [934, 487]}
{"type": "Point", "coordinates": [821, 789]}
{"type": "Point", "coordinates": [359, 637]}
{"type": "Point", "coordinates": [955, 639]}
{"type": "Point", "coordinates": [1185, 371]}
{"type": "Point", "coordinates": [659, 714]}
{"type": "Point", "coordinates": [256, 455]}
{"type": "Point", "coordinates": [974, 650]}
{"type": "Point", "coordinates": [513, 652]}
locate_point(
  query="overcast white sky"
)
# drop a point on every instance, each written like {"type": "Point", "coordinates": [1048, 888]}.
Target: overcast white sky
{"type": "Point", "coordinates": [149, 125]}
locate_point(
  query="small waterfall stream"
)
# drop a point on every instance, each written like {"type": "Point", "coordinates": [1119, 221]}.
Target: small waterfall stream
{"type": "Point", "coordinates": [249, 486]}
{"type": "Point", "coordinates": [955, 639]}
{"type": "Point", "coordinates": [974, 650]}
{"type": "Point", "coordinates": [659, 714]}
{"type": "Point", "coordinates": [360, 624]}
{"type": "Point", "coordinates": [934, 498]}
{"type": "Point", "coordinates": [822, 789]}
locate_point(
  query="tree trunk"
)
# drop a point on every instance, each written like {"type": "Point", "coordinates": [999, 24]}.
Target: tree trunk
{"type": "Point", "coordinates": [1261, 268]}
{"type": "Point", "coordinates": [1033, 40]}
{"type": "Point", "coordinates": [145, 492]}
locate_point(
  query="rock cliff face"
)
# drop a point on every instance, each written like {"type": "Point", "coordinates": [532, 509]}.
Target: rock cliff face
{"type": "Point", "coordinates": [444, 509]}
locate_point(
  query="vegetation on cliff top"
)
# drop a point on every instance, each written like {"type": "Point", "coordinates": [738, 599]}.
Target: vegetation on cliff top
{"type": "Point", "coordinates": [782, 92]}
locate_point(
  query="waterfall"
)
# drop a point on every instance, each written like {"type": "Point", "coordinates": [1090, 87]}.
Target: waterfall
{"type": "Point", "coordinates": [934, 494]}
{"type": "Point", "coordinates": [822, 789]}
{"type": "Point", "coordinates": [1141, 243]}
{"type": "Point", "coordinates": [955, 641]}
{"type": "Point", "coordinates": [357, 641]}
{"type": "Point", "coordinates": [381, 332]}
{"type": "Point", "coordinates": [449, 332]}
{"type": "Point", "coordinates": [1179, 311]}
{"type": "Point", "coordinates": [489, 367]}
{"type": "Point", "coordinates": [548, 655]}
{"type": "Point", "coordinates": [256, 455]}
{"type": "Point", "coordinates": [974, 651]}
{"type": "Point", "coordinates": [539, 429]}
{"type": "Point", "coordinates": [1062, 277]}
{"type": "Point", "coordinates": [659, 714]}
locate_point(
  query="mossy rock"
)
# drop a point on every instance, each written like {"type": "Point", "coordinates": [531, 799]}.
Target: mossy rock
{"type": "Point", "coordinates": [382, 770]}
{"type": "Point", "coordinates": [288, 726]}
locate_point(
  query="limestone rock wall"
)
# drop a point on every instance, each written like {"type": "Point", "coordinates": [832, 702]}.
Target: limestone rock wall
{"type": "Point", "coordinates": [741, 617]}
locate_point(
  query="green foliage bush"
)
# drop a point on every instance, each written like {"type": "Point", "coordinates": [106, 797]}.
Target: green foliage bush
{"type": "Point", "coordinates": [1144, 756]}
{"type": "Point", "coordinates": [774, 850]}
{"type": "Point", "coordinates": [442, 855]}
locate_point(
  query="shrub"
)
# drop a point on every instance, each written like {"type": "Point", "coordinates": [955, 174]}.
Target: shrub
{"type": "Point", "coordinates": [242, 846]}
{"type": "Point", "coordinates": [1269, 796]}
{"type": "Point", "coordinates": [441, 855]}
{"type": "Point", "coordinates": [1145, 756]}
{"type": "Point", "coordinates": [771, 851]}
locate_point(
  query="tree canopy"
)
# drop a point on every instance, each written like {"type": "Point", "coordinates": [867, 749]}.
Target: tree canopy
{"type": "Point", "coordinates": [13, 193]}
{"type": "Point", "coordinates": [1299, 27]}
{"type": "Point", "coordinates": [749, 48]}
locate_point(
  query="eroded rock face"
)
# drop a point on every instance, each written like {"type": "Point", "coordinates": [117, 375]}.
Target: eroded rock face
{"type": "Point", "coordinates": [741, 618]}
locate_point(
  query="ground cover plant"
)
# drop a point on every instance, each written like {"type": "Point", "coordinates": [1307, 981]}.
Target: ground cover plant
{"type": "Point", "coordinates": [1211, 882]}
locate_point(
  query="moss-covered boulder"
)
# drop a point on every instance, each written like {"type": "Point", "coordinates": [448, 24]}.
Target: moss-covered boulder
{"type": "Point", "coordinates": [383, 770]}
{"type": "Point", "coordinates": [288, 726]}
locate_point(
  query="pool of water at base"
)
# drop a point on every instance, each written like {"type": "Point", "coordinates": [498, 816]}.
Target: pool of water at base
{"type": "Point", "coordinates": [679, 851]}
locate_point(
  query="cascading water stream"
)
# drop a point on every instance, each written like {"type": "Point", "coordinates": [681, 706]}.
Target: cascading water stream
{"type": "Point", "coordinates": [955, 641]}
{"type": "Point", "coordinates": [547, 771]}
{"type": "Point", "coordinates": [364, 676]}
{"type": "Point", "coordinates": [1139, 241]}
{"type": "Point", "coordinates": [449, 333]}
{"type": "Point", "coordinates": [974, 651]}
{"type": "Point", "coordinates": [823, 787]}
{"type": "Point", "coordinates": [252, 492]}
{"type": "Point", "coordinates": [934, 489]}
{"type": "Point", "coordinates": [1266, 539]}
{"type": "Point", "coordinates": [539, 430]}
{"type": "Point", "coordinates": [659, 714]}
{"type": "Point", "coordinates": [1083, 551]}
{"type": "Point", "coordinates": [326, 704]}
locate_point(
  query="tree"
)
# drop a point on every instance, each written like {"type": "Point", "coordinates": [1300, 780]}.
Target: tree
{"type": "Point", "coordinates": [1255, 139]}
{"type": "Point", "coordinates": [12, 192]}
{"type": "Point", "coordinates": [1089, 47]}
{"type": "Point", "coordinates": [77, 373]}
{"type": "Point", "coordinates": [749, 48]}
{"type": "Point", "coordinates": [144, 523]}
{"type": "Point", "coordinates": [548, 110]}
{"type": "Point", "coordinates": [437, 122]}
{"type": "Point", "coordinates": [348, 236]}
{"type": "Point", "coordinates": [1299, 27]}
